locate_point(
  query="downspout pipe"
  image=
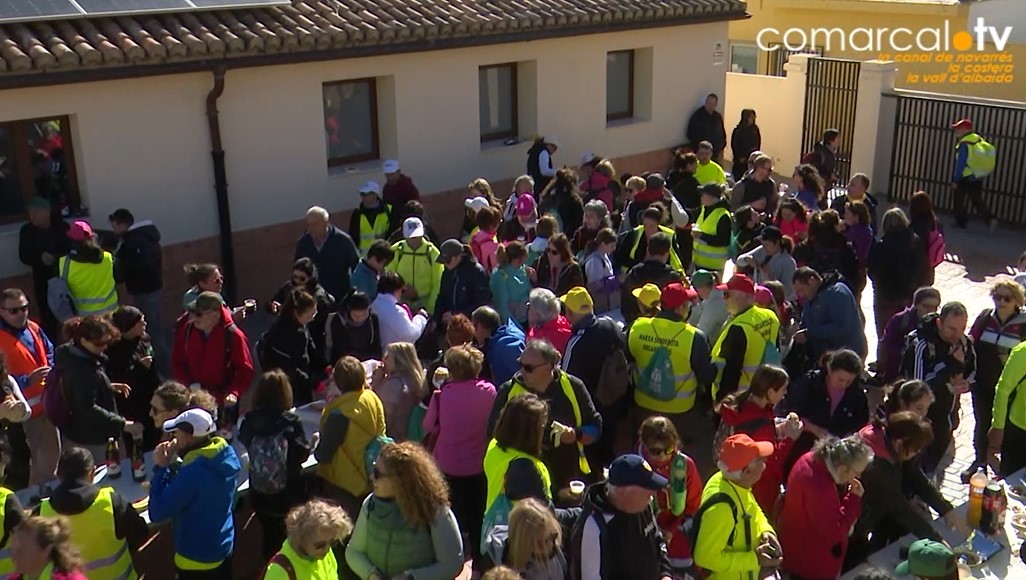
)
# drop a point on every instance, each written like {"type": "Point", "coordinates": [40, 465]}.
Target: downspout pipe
{"type": "Point", "coordinates": [224, 214]}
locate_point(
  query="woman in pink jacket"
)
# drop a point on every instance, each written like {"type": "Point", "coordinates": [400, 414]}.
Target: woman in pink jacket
{"type": "Point", "coordinates": [814, 524]}
{"type": "Point", "coordinates": [457, 417]}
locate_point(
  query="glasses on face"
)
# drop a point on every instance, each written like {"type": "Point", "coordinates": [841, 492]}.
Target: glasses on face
{"type": "Point", "coordinates": [530, 368]}
{"type": "Point", "coordinates": [17, 309]}
{"type": "Point", "coordinates": [997, 298]}
{"type": "Point", "coordinates": [658, 451]}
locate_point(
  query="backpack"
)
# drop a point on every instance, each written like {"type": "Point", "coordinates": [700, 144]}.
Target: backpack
{"type": "Point", "coordinates": [371, 452]}
{"type": "Point", "coordinates": [268, 462]}
{"type": "Point", "coordinates": [696, 521]}
{"type": "Point", "coordinates": [614, 378]}
{"type": "Point", "coordinates": [657, 379]}
{"type": "Point", "coordinates": [497, 515]}
{"type": "Point", "coordinates": [811, 158]}
{"type": "Point", "coordinates": [725, 430]}
{"type": "Point", "coordinates": [55, 400]}
{"type": "Point", "coordinates": [935, 248]}
{"type": "Point", "coordinates": [283, 561]}
{"type": "Point", "coordinates": [58, 294]}
{"type": "Point", "coordinates": [982, 158]}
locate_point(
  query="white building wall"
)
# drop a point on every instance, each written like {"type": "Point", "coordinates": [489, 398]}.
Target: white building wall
{"type": "Point", "coordinates": [144, 144]}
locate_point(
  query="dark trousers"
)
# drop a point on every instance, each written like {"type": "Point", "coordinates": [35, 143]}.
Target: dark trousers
{"type": "Point", "coordinates": [273, 533]}
{"type": "Point", "coordinates": [603, 451]}
{"type": "Point", "coordinates": [933, 453]}
{"type": "Point", "coordinates": [222, 572]}
{"type": "Point", "coordinates": [973, 189]}
{"type": "Point", "coordinates": [983, 409]}
{"type": "Point", "coordinates": [884, 309]}
{"type": "Point", "coordinates": [1013, 450]}
{"type": "Point", "coordinates": [468, 495]}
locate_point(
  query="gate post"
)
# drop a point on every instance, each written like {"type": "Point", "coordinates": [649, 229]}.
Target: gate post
{"type": "Point", "coordinates": [876, 77]}
{"type": "Point", "coordinates": [795, 70]}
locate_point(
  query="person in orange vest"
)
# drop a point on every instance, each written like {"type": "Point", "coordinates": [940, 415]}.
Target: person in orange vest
{"type": "Point", "coordinates": [29, 357]}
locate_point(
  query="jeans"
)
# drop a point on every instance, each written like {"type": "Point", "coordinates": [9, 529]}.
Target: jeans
{"type": "Point", "coordinates": [149, 304]}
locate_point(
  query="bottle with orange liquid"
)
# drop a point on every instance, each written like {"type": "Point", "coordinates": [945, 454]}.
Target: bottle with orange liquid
{"type": "Point", "coordinates": [977, 483]}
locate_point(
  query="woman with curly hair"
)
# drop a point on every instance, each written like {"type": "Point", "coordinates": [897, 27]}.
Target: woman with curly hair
{"type": "Point", "coordinates": [41, 548]}
{"type": "Point", "coordinates": [406, 528]}
{"type": "Point", "coordinates": [562, 198]}
{"type": "Point", "coordinates": [314, 528]}
{"type": "Point", "coordinates": [809, 188]}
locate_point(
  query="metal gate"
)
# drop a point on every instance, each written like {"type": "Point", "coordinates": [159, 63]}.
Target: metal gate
{"type": "Point", "coordinates": [923, 153]}
{"type": "Point", "coordinates": [831, 93]}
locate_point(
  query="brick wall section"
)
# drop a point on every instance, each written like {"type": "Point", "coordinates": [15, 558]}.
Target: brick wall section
{"type": "Point", "coordinates": [263, 255]}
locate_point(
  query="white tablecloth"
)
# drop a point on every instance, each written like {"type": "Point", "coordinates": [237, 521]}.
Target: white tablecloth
{"type": "Point", "coordinates": [1006, 564]}
{"type": "Point", "coordinates": [133, 491]}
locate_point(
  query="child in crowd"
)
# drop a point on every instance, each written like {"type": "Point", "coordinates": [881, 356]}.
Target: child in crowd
{"type": "Point", "coordinates": [603, 283]}
{"type": "Point", "coordinates": [547, 227]}
{"type": "Point", "coordinates": [353, 330]}
{"type": "Point", "coordinates": [747, 229]}
{"type": "Point", "coordinates": [485, 242]}
{"type": "Point", "coordinates": [792, 219]}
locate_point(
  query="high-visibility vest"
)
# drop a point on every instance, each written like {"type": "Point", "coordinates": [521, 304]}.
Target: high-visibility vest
{"type": "Point", "coordinates": [709, 257]}
{"type": "Point", "coordinates": [639, 232]}
{"type": "Point", "coordinates": [92, 531]}
{"type": "Point", "coordinates": [496, 462]}
{"type": "Point", "coordinates": [761, 328]}
{"type": "Point", "coordinates": [6, 565]}
{"type": "Point", "coordinates": [568, 392]}
{"type": "Point", "coordinates": [22, 361]}
{"type": "Point", "coordinates": [645, 336]}
{"type": "Point", "coordinates": [378, 230]}
{"type": "Point", "coordinates": [91, 285]}
{"type": "Point", "coordinates": [302, 567]}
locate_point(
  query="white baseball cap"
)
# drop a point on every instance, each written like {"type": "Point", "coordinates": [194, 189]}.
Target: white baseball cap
{"type": "Point", "coordinates": [413, 228]}
{"type": "Point", "coordinates": [196, 422]}
{"type": "Point", "coordinates": [587, 157]}
{"type": "Point", "coordinates": [390, 166]}
{"type": "Point", "coordinates": [476, 203]}
{"type": "Point", "coordinates": [370, 187]}
{"type": "Point", "coordinates": [552, 140]}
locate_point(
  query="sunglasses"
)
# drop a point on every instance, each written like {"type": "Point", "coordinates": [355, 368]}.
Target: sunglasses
{"type": "Point", "coordinates": [530, 368]}
{"type": "Point", "coordinates": [17, 309]}
{"type": "Point", "coordinates": [321, 545]}
{"type": "Point", "coordinates": [658, 451]}
{"type": "Point", "coordinates": [997, 298]}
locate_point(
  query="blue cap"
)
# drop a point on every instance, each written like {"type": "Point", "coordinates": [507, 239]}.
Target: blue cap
{"type": "Point", "coordinates": [634, 470]}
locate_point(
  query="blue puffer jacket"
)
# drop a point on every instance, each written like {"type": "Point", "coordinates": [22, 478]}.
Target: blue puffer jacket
{"type": "Point", "coordinates": [199, 500]}
{"type": "Point", "coordinates": [463, 288]}
{"type": "Point", "coordinates": [832, 320]}
{"type": "Point", "coordinates": [502, 352]}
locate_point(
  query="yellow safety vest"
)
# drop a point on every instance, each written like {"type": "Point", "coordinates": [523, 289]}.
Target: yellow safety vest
{"type": "Point", "coordinates": [325, 568]}
{"type": "Point", "coordinates": [496, 462]}
{"type": "Point", "coordinates": [106, 557]}
{"type": "Point", "coordinates": [646, 335]}
{"type": "Point", "coordinates": [708, 257]}
{"type": "Point", "coordinates": [6, 565]}
{"type": "Point", "coordinates": [761, 327]}
{"type": "Point", "coordinates": [568, 391]}
{"type": "Point", "coordinates": [91, 285]}
{"type": "Point", "coordinates": [373, 231]}
{"type": "Point", "coordinates": [639, 232]}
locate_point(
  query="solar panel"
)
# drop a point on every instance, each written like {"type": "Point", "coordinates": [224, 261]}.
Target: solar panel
{"type": "Point", "coordinates": [207, 4]}
{"type": "Point", "coordinates": [102, 7]}
{"type": "Point", "coordinates": [23, 10]}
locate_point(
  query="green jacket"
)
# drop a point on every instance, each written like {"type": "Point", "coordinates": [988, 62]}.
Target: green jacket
{"type": "Point", "coordinates": [1011, 380]}
{"type": "Point", "coordinates": [419, 269]}
{"type": "Point", "coordinates": [736, 561]}
{"type": "Point", "coordinates": [384, 542]}
{"type": "Point", "coordinates": [510, 290]}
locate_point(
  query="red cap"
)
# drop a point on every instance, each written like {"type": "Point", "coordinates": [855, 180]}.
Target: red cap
{"type": "Point", "coordinates": [962, 124]}
{"type": "Point", "coordinates": [674, 295]}
{"type": "Point", "coordinates": [738, 283]}
{"type": "Point", "coordinates": [740, 450]}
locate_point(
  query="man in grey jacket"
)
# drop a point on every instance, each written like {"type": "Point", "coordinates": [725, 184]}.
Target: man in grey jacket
{"type": "Point", "coordinates": [710, 313]}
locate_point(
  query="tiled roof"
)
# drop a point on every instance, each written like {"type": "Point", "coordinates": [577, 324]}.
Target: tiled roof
{"type": "Point", "coordinates": [321, 26]}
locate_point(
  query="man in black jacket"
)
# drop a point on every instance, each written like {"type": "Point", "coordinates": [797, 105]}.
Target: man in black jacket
{"type": "Point", "coordinates": [616, 536]}
{"type": "Point", "coordinates": [824, 156]}
{"type": "Point", "coordinates": [940, 354]}
{"type": "Point", "coordinates": [139, 260]}
{"type": "Point", "coordinates": [757, 189]}
{"type": "Point", "coordinates": [594, 339]}
{"type": "Point", "coordinates": [42, 241]}
{"type": "Point", "coordinates": [706, 124]}
{"type": "Point", "coordinates": [332, 251]}
{"type": "Point", "coordinates": [654, 269]}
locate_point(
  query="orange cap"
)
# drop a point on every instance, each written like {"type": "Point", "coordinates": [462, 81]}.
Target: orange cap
{"type": "Point", "coordinates": [739, 450]}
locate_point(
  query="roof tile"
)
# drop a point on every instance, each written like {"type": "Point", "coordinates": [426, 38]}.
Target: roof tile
{"type": "Point", "coordinates": [309, 26]}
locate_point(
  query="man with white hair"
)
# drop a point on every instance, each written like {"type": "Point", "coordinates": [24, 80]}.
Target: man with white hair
{"type": "Point", "coordinates": [733, 538]}
{"type": "Point", "coordinates": [331, 249]}
{"type": "Point", "coordinates": [616, 535]}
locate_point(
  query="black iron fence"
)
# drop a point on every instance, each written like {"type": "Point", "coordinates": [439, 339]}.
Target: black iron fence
{"type": "Point", "coordinates": [779, 57]}
{"type": "Point", "coordinates": [923, 151]}
{"type": "Point", "coordinates": [831, 94]}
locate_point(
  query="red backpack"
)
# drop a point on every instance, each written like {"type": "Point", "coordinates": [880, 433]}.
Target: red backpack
{"type": "Point", "coordinates": [935, 248]}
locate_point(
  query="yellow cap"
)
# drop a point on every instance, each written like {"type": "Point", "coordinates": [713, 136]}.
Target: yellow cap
{"type": "Point", "coordinates": [578, 300]}
{"type": "Point", "coordinates": [648, 295]}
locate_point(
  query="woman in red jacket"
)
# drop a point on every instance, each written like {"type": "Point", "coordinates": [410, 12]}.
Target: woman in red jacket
{"type": "Point", "coordinates": [752, 413]}
{"type": "Point", "coordinates": [660, 445]}
{"type": "Point", "coordinates": [814, 523]}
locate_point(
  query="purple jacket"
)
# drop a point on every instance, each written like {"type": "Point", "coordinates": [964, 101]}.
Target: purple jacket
{"type": "Point", "coordinates": [893, 342]}
{"type": "Point", "coordinates": [458, 415]}
{"type": "Point", "coordinates": [861, 238]}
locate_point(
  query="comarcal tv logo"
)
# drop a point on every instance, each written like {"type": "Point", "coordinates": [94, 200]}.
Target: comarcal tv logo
{"type": "Point", "coordinates": [977, 55]}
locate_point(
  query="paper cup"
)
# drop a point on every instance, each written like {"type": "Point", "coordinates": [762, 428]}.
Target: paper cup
{"type": "Point", "coordinates": [577, 487]}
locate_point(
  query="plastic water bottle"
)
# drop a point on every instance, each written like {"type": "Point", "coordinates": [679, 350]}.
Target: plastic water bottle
{"type": "Point", "coordinates": [977, 483]}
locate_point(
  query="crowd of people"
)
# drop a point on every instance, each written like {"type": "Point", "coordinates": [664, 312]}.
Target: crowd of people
{"type": "Point", "coordinates": [521, 400]}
